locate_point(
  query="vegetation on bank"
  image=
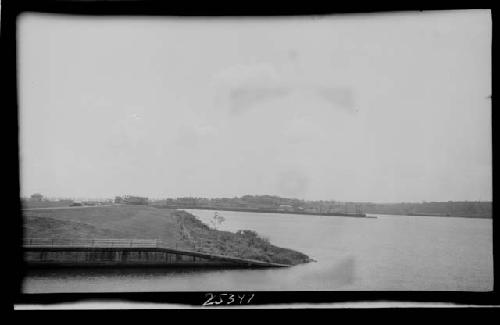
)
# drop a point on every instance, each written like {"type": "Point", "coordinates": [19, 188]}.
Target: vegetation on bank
{"type": "Point", "coordinates": [178, 229]}
{"type": "Point", "coordinates": [468, 209]}
{"type": "Point", "coordinates": [243, 243]}
{"type": "Point", "coordinates": [472, 209]}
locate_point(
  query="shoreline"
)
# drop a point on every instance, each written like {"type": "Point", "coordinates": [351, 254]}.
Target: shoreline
{"type": "Point", "coordinates": [434, 216]}
{"type": "Point", "coordinates": [367, 216]}
{"type": "Point", "coordinates": [177, 229]}
{"type": "Point", "coordinates": [352, 215]}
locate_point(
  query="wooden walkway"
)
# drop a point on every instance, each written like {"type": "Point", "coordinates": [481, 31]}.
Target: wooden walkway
{"type": "Point", "coordinates": [95, 243]}
{"type": "Point", "coordinates": [57, 244]}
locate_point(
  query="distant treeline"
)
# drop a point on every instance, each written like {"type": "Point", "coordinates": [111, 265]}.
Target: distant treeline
{"type": "Point", "coordinates": [271, 202]}
{"type": "Point", "coordinates": [471, 209]}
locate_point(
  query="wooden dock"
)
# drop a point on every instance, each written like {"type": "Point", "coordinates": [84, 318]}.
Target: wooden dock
{"type": "Point", "coordinates": [124, 252]}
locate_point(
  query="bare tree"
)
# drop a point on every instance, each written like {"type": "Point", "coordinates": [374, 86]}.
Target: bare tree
{"type": "Point", "coordinates": [217, 220]}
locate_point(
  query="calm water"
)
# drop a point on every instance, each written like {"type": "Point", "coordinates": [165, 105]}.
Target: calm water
{"type": "Point", "coordinates": [387, 253]}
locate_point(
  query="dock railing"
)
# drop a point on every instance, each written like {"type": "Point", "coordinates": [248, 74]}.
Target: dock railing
{"type": "Point", "coordinates": [108, 242]}
{"type": "Point", "coordinates": [126, 243]}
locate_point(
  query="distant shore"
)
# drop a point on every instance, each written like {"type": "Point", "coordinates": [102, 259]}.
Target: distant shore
{"type": "Point", "coordinates": [438, 215]}
{"type": "Point", "coordinates": [370, 214]}
{"type": "Point", "coordinates": [332, 214]}
{"type": "Point", "coordinates": [278, 205]}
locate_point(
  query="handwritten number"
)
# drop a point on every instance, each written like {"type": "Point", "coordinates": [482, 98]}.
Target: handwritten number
{"type": "Point", "coordinates": [218, 303]}
{"type": "Point", "coordinates": [206, 303]}
{"type": "Point", "coordinates": [210, 301]}
{"type": "Point", "coordinates": [221, 298]}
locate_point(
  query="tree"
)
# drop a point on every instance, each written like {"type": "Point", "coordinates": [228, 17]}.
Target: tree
{"type": "Point", "coordinates": [217, 220]}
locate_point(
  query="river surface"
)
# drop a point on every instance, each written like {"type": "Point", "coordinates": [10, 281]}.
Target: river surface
{"type": "Point", "coordinates": [384, 253]}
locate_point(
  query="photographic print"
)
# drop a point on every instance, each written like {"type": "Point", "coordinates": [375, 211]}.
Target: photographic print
{"type": "Point", "coordinates": [245, 154]}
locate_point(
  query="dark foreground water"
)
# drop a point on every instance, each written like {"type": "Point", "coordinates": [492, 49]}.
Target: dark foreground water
{"type": "Point", "coordinates": [387, 253]}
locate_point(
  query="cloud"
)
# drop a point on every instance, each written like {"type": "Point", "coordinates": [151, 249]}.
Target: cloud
{"type": "Point", "coordinates": [241, 87]}
{"type": "Point", "coordinates": [338, 97]}
{"type": "Point", "coordinates": [244, 97]}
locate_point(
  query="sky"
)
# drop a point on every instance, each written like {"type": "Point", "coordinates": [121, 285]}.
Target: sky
{"type": "Point", "coordinates": [380, 107]}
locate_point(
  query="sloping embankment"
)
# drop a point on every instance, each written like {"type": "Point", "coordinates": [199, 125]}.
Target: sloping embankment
{"type": "Point", "coordinates": [178, 229]}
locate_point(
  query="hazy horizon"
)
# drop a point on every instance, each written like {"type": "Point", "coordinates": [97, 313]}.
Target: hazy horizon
{"type": "Point", "coordinates": [211, 198]}
{"type": "Point", "coordinates": [363, 108]}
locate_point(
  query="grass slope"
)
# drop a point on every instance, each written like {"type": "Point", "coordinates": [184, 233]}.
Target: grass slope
{"type": "Point", "coordinates": [176, 228]}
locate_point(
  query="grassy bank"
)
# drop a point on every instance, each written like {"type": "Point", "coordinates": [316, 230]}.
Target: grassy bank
{"type": "Point", "coordinates": [178, 229]}
{"type": "Point", "coordinates": [44, 204]}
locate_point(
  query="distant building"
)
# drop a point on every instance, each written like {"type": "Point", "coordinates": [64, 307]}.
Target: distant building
{"type": "Point", "coordinates": [285, 207]}
{"type": "Point", "coordinates": [37, 197]}
{"type": "Point", "coordinates": [129, 199]}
